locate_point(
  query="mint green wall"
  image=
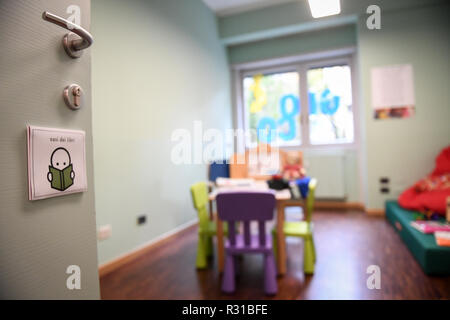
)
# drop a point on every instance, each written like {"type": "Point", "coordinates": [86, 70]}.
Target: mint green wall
{"type": "Point", "coordinates": [157, 66]}
{"type": "Point", "coordinates": [293, 45]}
{"type": "Point", "coordinates": [404, 150]}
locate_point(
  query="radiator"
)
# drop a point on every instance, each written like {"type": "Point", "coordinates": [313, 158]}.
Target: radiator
{"type": "Point", "coordinates": [330, 173]}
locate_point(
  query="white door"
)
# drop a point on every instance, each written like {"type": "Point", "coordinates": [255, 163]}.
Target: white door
{"type": "Point", "coordinates": [40, 239]}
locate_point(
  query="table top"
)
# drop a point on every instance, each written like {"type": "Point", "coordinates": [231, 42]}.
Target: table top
{"type": "Point", "coordinates": [250, 186]}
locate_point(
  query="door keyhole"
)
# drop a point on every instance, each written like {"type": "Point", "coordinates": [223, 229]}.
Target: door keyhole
{"type": "Point", "coordinates": [73, 95]}
{"type": "Point", "coordinates": [76, 96]}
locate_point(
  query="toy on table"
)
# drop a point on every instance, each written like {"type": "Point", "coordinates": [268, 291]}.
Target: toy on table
{"type": "Point", "coordinates": [293, 169]}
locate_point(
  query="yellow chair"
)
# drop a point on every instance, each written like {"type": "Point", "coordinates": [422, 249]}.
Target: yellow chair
{"type": "Point", "coordinates": [207, 227]}
{"type": "Point", "coordinates": [303, 229]}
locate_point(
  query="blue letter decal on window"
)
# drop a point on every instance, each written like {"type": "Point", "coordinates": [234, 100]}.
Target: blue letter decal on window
{"type": "Point", "coordinates": [329, 103]}
{"type": "Point", "coordinates": [289, 116]}
{"type": "Point", "coordinates": [312, 103]}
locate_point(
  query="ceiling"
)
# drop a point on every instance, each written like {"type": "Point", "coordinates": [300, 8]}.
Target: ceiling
{"type": "Point", "coordinates": [229, 7]}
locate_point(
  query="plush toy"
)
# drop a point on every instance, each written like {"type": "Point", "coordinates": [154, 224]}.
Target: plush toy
{"type": "Point", "coordinates": [293, 169]}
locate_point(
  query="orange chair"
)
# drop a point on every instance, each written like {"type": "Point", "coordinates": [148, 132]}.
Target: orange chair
{"type": "Point", "coordinates": [238, 166]}
{"type": "Point", "coordinates": [254, 162]}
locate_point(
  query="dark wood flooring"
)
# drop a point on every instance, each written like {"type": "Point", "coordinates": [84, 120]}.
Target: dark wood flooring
{"type": "Point", "coordinates": [346, 242]}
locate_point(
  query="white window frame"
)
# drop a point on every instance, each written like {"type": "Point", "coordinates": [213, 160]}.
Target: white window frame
{"type": "Point", "coordinates": [300, 64]}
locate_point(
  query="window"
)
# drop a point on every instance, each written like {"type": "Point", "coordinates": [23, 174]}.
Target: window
{"type": "Point", "coordinates": [272, 108]}
{"type": "Point", "coordinates": [275, 102]}
{"type": "Point", "coordinates": [330, 105]}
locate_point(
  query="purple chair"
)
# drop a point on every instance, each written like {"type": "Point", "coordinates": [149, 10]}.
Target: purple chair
{"type": "Point", "coordinates": [246, 207]}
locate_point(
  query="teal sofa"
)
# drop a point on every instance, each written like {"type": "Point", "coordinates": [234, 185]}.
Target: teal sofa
{"type": "Point", "coordinates": [434, 259]}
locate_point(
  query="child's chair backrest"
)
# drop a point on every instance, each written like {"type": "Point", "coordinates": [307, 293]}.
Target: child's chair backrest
{"type": "Point", "coordinates": [258, 163]}
{"type": "Point", "coordinates": [238, 166]}
{"type": "Point", "coordinates": [246, 207]}
{"type": "Point", "coordinates": [199, 192]}
{"type": "Point", "coordinates": [310, 198]}
{"type": "Point", "coordinates": [263, 161]}
{"type": "Point", "coordinates": [218, 169]}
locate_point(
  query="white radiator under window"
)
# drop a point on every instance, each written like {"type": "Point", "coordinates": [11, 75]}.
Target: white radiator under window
{"type": "Point", "coordinates": [330, 173]}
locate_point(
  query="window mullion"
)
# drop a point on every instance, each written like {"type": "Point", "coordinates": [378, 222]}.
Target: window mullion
{"type": "Point", "coordinates": [304, 114]}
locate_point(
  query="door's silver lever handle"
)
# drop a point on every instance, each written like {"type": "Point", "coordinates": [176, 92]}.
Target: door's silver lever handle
{"type": "Point", "coordinates": [73, 45]}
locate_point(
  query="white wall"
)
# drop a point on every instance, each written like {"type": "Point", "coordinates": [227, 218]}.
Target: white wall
{"type": "Point", "coordinates": [157, 66]}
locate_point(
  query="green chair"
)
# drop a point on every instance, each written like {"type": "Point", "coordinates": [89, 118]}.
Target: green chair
{"type": "Point", "coordinates": [207, 227]}
{"type": "Point", "coordinates": [303, 229]}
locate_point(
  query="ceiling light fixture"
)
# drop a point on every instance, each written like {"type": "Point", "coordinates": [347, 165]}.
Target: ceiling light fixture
{"type": "Point", "coordinates": [323, 8]}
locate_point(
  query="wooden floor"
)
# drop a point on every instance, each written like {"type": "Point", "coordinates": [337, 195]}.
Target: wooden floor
{"type": "Point", "coordinates": [347, 243]}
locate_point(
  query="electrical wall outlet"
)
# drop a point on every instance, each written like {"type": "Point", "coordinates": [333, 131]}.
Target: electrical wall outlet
{"type": "Point", "coordinates": [142, 219]}
{"type": "Point", "coordinates": [384, 190]}
{"type": "Point", "coordinates": [384, 180]}
{"type": "Point", "coordinates": [384, 185]}
{"type": "Point", "coordinates": [104, 232]}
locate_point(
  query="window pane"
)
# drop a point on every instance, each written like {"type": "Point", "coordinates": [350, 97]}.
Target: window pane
{"type": "Point", "coordinates": [272, 109]}
{"type": "Point", "coordinates": [330, 105]}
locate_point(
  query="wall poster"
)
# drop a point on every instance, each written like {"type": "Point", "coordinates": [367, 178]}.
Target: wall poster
{"type": "Point", "coordinates": [393, 91]}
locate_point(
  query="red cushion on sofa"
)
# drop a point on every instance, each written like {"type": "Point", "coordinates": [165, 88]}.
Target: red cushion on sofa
{"type": "Point", "coordinates": [442, 163]}
{"type": "Point", "coordinates": [431, 192]}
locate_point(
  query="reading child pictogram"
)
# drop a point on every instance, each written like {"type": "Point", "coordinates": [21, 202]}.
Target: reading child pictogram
{"type": "Point", "coordinates": [61, 174]}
